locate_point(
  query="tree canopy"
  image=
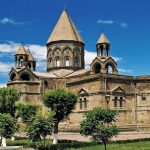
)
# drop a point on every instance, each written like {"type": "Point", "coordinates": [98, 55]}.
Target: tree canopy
{"type": "Point", "coordinates": [40, 127]}
{"type": "Point", "coordinates": [8, 126]}
{"type": "Point", "coordinates": [8, 97]}
{"type": "Point", "coordinates": [61, 103]}
{"type": "Point", "coordinates": [100, 124]}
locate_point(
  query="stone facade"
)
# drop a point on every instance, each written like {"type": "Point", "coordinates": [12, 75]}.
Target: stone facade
{"type": "Point", "coordinates": [98, 86]}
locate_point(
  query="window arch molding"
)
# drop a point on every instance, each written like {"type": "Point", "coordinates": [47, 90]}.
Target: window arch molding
{"type": "Point", "coordinates": [50, 53]}
{"type": "Point", "coordinates": [67, 48]}
{"type": "Point", "coordinates": [56, 48]}
{"type": "Point", "coordinates": [57, 52]}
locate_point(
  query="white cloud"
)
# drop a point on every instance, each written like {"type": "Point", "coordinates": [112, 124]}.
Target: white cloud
{"type": "Point", "coordinates": [110, 22]}
{"type": "Point", "coordinates": [11, 21]}
{"type": "Point", "coordinates": [124, 25]}
{"type": "Point", "coordinates": [101, 21]}
{"type": "Point", "coordinates": [9, 46]}
{"type": "Point", "coordinates": [3, 85]}
{"type": "Point", "coordinates": [124, 70]}
{"type": "Point", "coordinates": [89, 56]}
{"type": "Point", "coordinates": [40, 53]}
{"type": "Point", "coordinates": [5, 67]}
{"type": "Point", "coordinates": [117, 59]}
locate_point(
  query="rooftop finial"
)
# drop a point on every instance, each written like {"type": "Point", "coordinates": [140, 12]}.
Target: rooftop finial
{"type": "Point", "coordinates": [64, 7]}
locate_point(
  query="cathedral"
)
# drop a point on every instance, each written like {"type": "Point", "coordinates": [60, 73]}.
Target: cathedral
{"type": "Point", "coordinates": [100, 85]}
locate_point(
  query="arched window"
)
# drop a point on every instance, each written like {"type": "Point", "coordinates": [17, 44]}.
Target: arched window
{"type": "Point", "coordinates": [50, 62]}
{"type": "Point", "coordinates": [97, 68]}
{"type": "Point", "coordinates": [75, 51]}
{"type": "Point", "coordinates": [21, 61]}
{"type": "Point", "coordinates": [13, 77]}
{"type": "Point", "coordinates": [118, 102]}
{"type": "Point", "coordinates": [104, 51]}
{"type": "Point", "coordinates": [109, 69]}
{"type": "Point", "coordinates": [101, 50]}
{"type": "Point", "coordinates": [57, 62]}
{"type": "Point", "coordinates": [67, 62]}
{"type": "Point", "coordinates": [76, 61]}
{"type": "Point", "coordinates": [25, 77]}
{"type": "Point", "coordinates": [21, 57]}
{"type": "Point", "coordinates": [29, 65]}
{"type": "Point", "coordinates": [83, 103]}
{"type": "Point", "coordinates": [45, 83]}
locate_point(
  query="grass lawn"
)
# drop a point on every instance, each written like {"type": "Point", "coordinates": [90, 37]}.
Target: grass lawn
{"type": "Point", "coordinates": [128, 146]}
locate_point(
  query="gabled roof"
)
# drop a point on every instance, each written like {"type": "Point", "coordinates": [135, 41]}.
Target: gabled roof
{"type": "Point", "coordinates": [65, 30]}
{"type": "Point", "coordinates": [45, 74]}
{"type": "Point", "coordinates": [102, 39]}
{"type": "Point", "coordinates": [118, 90]}
{"type": "Point", "coordinates": [79, 73]}
{"type": "Point", "coordinates": [83, 91]}
{"type": "Point", "coordinates": [62, 72]}
{"type": "Point", "coordinates": [30, 56]}
{"type": "Point", "coordinates": [21, 51]}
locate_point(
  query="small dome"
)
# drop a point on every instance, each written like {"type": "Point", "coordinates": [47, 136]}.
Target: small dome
{"type": "Point", "coordinates": [21, 51]}
{"type": "Point", "coordinates": [30, 56]}
{"type": "Point", "coordinates": [102, 39]}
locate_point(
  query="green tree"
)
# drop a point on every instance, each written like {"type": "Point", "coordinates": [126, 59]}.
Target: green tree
{"type": "Point", "coordinates": [8, 126]}
{"type": "Point", "coordinates": [40, 127]}
{"type": "Point", "coordinates": [100, 124]}
{"type": "Point", "coordinates": [61, 103]}
{"type": "Point", "coordinates": [26, 111]}
{"type": "Point", "coordinates": [8, 97]}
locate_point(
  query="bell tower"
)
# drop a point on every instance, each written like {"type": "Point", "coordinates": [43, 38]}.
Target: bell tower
{"type": "Point", "coordinates": [21, 57]}
{"type": "Point", "coordinates": [103, 47]}
{"type": "Point", "coordinates": [24, 58]}
{"type": "Point", "coordinates": [31, 61]}
{"type": "Point", "coordinates": [65, 47]}
{"type": "Point", "coordinates": [103, 63]}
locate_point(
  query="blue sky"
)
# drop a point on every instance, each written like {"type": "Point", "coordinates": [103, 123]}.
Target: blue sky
{"type": "Point", "coordinates": [126, 23]}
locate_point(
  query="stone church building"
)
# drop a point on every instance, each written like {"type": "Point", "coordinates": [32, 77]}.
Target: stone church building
{"type": "Point", "coordinates": [100, 85]}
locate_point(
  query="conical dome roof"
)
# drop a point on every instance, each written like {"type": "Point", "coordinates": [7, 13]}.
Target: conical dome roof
{"type": "Point", "coordinates": [30, 56]}
{"type": "Point", "coordinates": [102, 39]}
{"type": "Point", "coordinates": [21, 51]}
{"type": "Point", "coordinates": [65, 30]}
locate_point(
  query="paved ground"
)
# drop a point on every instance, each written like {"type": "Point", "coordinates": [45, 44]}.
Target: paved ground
{"type": "Point", "coordinates": [121, 136]}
